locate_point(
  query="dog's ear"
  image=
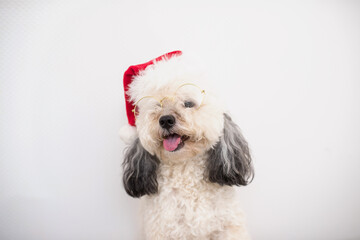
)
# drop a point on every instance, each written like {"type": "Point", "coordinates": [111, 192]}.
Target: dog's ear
{"type": "Point", "coordinates": [140, 169]}
{"type": "Point", "coordinates": [229, 161]}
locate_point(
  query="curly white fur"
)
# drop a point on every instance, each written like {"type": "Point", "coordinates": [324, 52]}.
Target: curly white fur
{"type": "Point", "coordinates": [189, 207]}
{"type": "Point", "coordinates": [188, 193]}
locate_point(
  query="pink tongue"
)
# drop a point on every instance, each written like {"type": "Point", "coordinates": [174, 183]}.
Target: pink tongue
{"type": "Point", "coordinates": [171, 142]}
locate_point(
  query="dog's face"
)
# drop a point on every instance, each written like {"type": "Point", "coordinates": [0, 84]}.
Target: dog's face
{"type": "Point", "coordinates": [177, 119]}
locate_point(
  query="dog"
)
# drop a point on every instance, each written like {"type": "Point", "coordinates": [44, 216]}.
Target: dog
{"type": "Point", "coordinates": [185, 156]}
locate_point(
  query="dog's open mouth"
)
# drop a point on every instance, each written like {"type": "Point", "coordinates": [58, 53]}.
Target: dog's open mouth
{"type": "Point", "coordinates": [174, 142]}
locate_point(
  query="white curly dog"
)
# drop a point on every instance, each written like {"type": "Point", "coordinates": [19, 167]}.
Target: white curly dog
{"type": "Point", "coordinates": [185, 154]}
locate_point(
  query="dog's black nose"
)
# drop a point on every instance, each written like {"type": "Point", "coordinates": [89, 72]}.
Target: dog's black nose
{"type": "Point", "coordinates": [167, 121]}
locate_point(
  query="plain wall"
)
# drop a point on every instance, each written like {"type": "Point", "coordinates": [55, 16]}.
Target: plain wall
{"type": "Point", "coordinates": [290, 77]}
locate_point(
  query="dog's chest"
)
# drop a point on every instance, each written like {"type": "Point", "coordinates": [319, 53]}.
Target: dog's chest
{"type": "Point", "coordinates": [186, 202]}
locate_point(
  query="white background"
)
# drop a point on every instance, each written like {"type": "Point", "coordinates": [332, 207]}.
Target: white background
{"type": "Point", "coordinates": [289, 75]}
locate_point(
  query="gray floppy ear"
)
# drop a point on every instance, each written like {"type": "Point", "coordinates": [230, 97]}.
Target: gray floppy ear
{"type": "Point", "coordinates": [140, 169]}
{"type": "Point", "coordinates": [229, 161]}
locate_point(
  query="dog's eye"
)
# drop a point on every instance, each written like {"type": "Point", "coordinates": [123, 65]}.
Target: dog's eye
{"type": "Point", "coordinates": [189, 104]}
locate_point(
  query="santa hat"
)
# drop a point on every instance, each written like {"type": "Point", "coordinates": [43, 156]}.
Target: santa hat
{"type": "Point", "coordinates": [128, 132]}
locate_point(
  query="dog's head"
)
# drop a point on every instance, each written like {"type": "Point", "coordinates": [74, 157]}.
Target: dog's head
{"type": "Point", "coordinates": [176, 120]}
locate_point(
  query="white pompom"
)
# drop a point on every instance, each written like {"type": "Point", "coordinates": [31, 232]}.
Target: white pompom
{"type": "Point", "coordinates": [128, 133]}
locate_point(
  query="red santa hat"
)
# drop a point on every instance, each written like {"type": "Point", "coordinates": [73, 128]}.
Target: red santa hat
{"type": "Point", "coordinates": [128, 132]}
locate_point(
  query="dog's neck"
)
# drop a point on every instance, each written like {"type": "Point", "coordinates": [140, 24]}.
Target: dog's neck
{"type": "Point", "coordinates": [192, 168]}
{"type": "Point", "coordinates": [184, 159]}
